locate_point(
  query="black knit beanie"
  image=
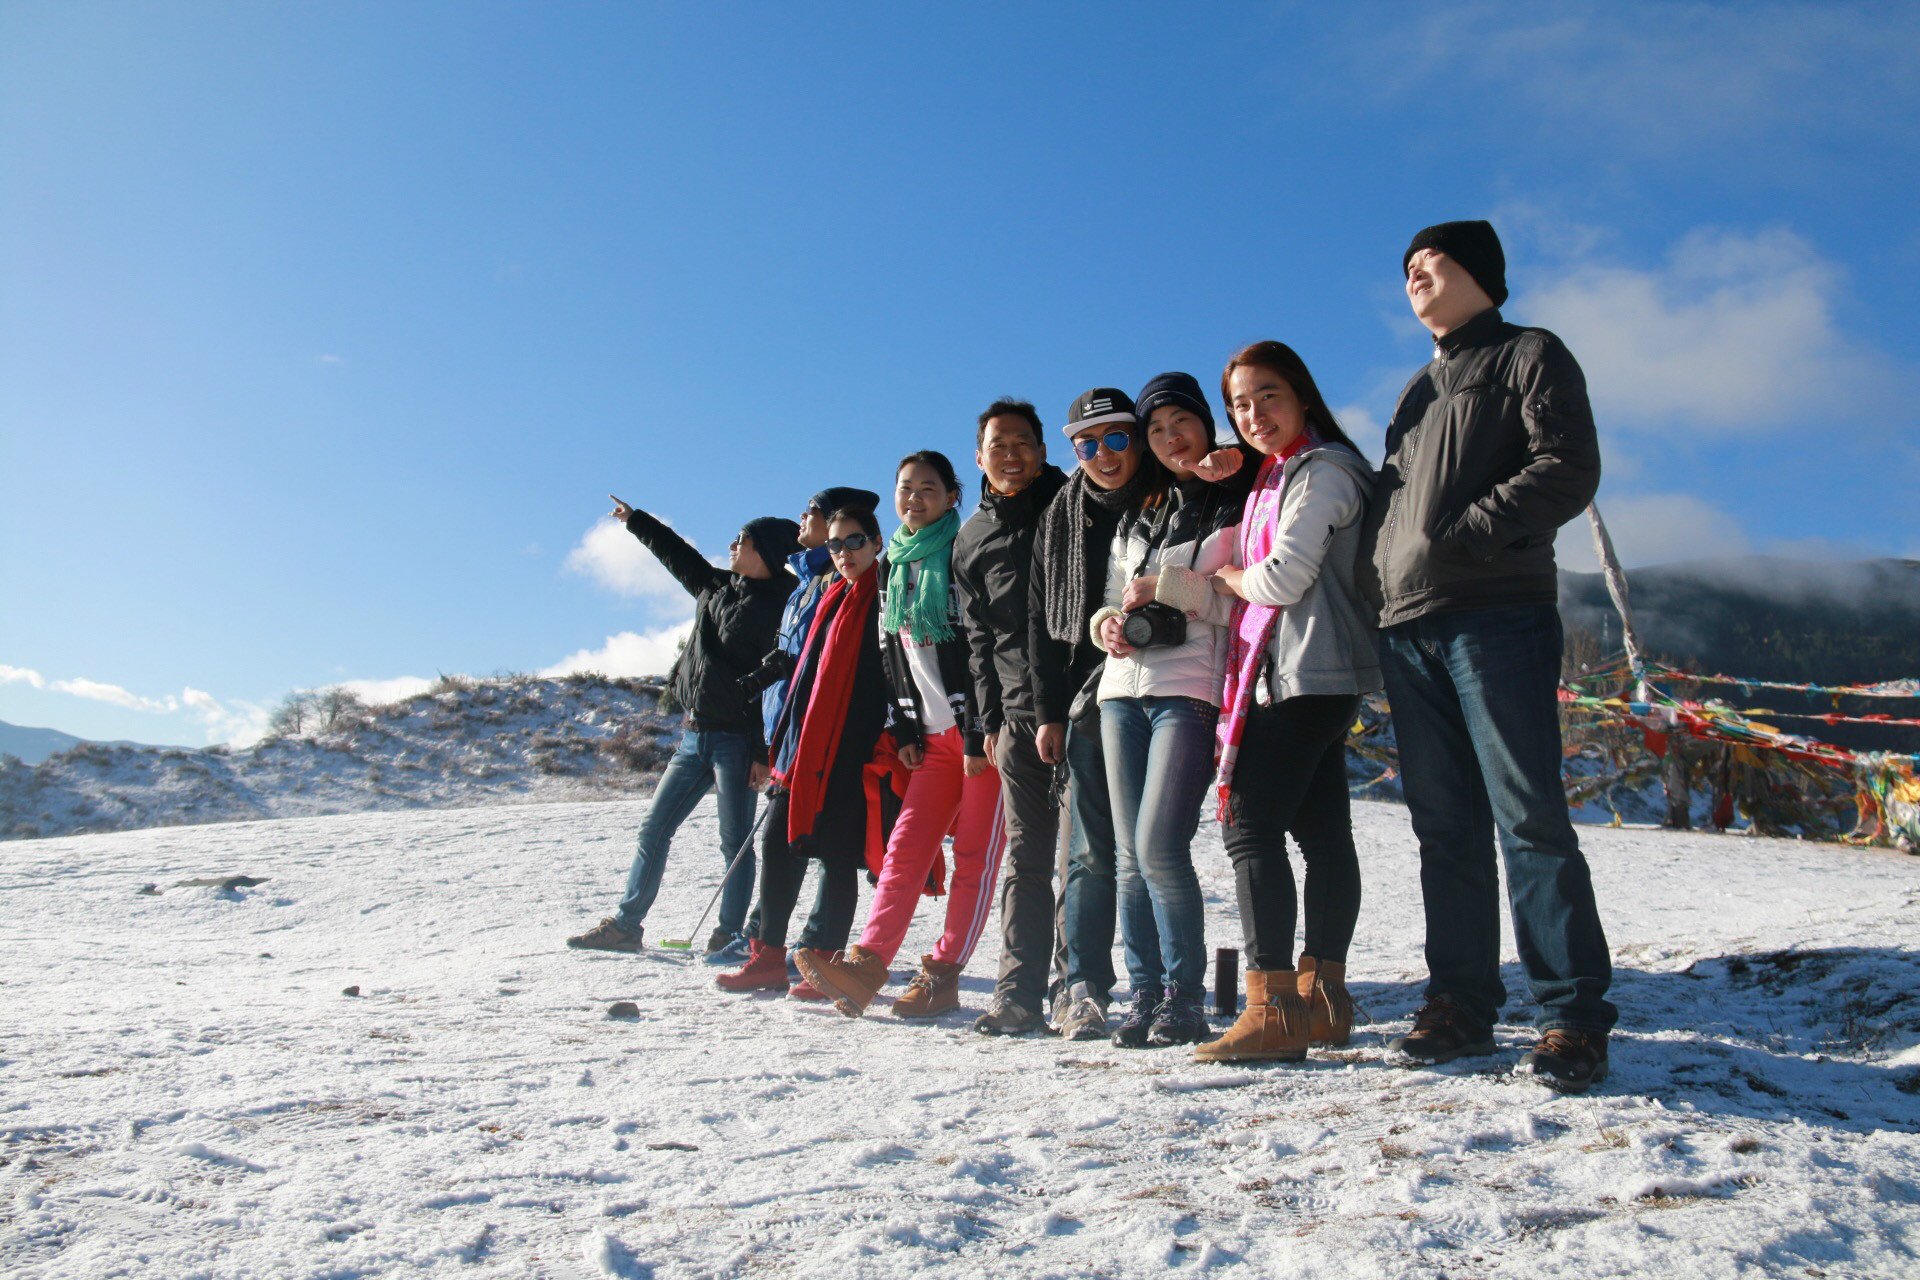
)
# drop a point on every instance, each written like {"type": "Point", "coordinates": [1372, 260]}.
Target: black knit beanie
{"type": "Point", "coordinates": [1474, 246]}
{"type": "Point", "coordinates": [1182, 389]}
{"type": "Point", "coordinates": [775, 538]}
{"type": "Point", "coordinates": [828, 501]}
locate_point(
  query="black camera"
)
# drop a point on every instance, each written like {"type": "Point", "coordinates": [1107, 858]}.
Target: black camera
{"type": "Point", "coordinates": [1154, 624]}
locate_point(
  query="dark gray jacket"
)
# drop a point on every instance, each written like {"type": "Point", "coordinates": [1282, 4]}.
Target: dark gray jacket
{"type": "Point", "coordinates": [1491, 449]}
{"type": "Point", "coordinates": [992, 558]}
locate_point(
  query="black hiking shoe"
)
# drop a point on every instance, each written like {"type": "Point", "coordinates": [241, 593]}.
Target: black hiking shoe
{"type": "Point", "coordinates": [1442, 1031]}
{"type": "Point", "coordinates": [1131, 1033]}
{"type": "Point", "coordinates": [1008, 1017]}
{"type": "Point", "coordinates": [1180, 1019]}
{"type": "Point", "coordinates": [608, 935]}
{"type": "Point", "coordinates": [1566, 1059]}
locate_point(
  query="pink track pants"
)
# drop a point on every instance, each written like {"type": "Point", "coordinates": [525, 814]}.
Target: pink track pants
{"type": "Point", "coordinates": [936, 791]}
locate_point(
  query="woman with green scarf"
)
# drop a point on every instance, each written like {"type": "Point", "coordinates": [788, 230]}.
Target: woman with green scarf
{"type": "Point", "coordinates": [933, 728]}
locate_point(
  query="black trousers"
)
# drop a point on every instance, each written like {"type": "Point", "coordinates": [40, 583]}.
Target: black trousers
{"type": "Point", "coordinates": [1291, 779]}
{"type": "Point", "coordinates": [782, 872]}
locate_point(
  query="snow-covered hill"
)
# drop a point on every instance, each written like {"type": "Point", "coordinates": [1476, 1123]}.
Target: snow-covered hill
{"type": "Point", "coordinates": [186, 1089]}
{"type": "Point", "coordinates": [508, 740]}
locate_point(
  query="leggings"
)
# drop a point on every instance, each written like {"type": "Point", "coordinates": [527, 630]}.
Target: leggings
{"type": "Point", "coordinates": [1291, 779]}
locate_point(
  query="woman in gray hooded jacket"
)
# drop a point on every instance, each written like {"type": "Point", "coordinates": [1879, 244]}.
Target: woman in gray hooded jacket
{"type": "Point", "coordinates": [1300, 654]}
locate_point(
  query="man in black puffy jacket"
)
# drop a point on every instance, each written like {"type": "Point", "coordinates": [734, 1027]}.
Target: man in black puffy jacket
{"type": "Point", "coordinates": [1491, 449]}
{"type": "Point", "coordinates": [736, 619]}
{"type": "Point", "coordinates": [992, 561]}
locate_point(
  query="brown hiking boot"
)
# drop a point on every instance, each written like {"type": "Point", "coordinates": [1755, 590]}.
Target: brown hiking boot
{"type": "Point", "coordinates": [1273, 1026]}
{"type": "Point", "coordinates": [803, 989]}
{"type": "Point", "coordinates": [850, 978]}
{"type": "Point", "coordinates": [1323, 985]}
{"type": "Point", "coordinates": [934, 990]}
{"type": "Point", "coordinates": [607, 936]}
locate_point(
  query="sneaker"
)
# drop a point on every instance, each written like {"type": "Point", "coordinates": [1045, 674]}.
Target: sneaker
{"type": "Point", "coordinates": [608, 935]}
{"type": "Point", "coordinates": [1180, 1019]}
{"type": "Point", "coordinates": [1442, 1031]}
{"type": "Point", "coordinates": [1086, 1015]}
{"type": "Point", "coordinates": [1566, 1059]}
{"type": "Point", "coordinates": [1131, 1033]}
{"type": "Point", "coordinates": [1008, 1017]}
{"type": "Point", "coordinates": [725, 948]}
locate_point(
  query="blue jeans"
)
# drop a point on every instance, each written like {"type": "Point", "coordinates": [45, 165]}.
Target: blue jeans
{"type": "Point", "coordinates": [1088, 897]}
{"type": "Point", "coordinates": [1159, 761]}
{"type": "Point", "coordinates": [705, 758]}
{"type": "Point", "coordinates": [1474, 710]}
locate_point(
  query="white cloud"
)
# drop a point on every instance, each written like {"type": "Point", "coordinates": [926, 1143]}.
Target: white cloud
{"type": "Point", "coordinates": [1362, 428]}
{"type": "Point", "coordinates": [614, 558]}
{"type": "Point", "coordinates": [21, 675]}
{"type": "Point", "coordinates": [238, 723]}
{"type": "Point", "coordinates": [81, 687]}
{"type": "Point", "coordinates": [1653, 528]}
{"type": "Point", "coordinates": [630, 653]}
{"type": "Point", "coordinates": [1732, 333]}
{"type": "Point", "coordinates": [377, 693]}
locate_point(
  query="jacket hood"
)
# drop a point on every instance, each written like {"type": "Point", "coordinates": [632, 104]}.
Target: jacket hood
{"type": "Point", "coordinates": [1332, 451]}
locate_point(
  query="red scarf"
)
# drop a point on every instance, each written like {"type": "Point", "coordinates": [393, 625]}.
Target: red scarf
{"type": "Point", "coordinates": [845, 611]}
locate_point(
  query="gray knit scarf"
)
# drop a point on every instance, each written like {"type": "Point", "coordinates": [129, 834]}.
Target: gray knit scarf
{"type": "Point", "coordinates": [1075, 574]}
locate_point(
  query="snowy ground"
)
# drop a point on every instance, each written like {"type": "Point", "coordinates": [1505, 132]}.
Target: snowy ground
{"type": "Point", "coordinates": [186, 1091]}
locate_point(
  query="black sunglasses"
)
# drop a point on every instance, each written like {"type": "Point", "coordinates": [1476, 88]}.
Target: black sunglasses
{"type": "Point", "coordinates": [852, 542]}
{"type": "Point", "coordinates": [1116, 441]}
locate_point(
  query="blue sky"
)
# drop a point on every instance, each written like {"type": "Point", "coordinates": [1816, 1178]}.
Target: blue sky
{"type": "Point", "coordinates": [326, 329]}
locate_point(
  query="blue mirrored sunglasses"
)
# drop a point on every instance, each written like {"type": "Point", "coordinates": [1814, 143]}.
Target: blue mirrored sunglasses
{"type": "Point", "coordinates": [1116, 441]}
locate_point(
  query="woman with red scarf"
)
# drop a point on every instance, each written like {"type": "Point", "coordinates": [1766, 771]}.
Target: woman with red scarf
{"type": "Point", "coordinates": [1300, 652]}
{"type": "Point", "coordinates": [822, 743]}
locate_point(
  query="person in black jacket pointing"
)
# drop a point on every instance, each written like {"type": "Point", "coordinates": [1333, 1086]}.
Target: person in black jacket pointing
{"type": "Point", "coordinates": [735, 621]}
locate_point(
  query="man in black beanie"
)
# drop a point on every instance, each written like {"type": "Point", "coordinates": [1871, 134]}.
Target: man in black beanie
{"type": "Point", "coordinates": [1490, 450]}
{"type": "Point", "coordinates": [735, 613]}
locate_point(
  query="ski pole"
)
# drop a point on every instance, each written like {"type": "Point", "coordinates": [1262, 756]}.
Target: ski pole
{"type": "Point", "coordinates": [686, 944]}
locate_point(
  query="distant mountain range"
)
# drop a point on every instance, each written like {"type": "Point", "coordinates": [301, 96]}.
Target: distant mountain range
{"type": "Point", "coordinates": [1766, 618]}
{"type": "Point", "coordinates": [24, 742]}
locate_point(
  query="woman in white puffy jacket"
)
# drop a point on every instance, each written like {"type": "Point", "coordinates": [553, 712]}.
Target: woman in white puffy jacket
{"type": "Point", "coordinates": [1159, 700]}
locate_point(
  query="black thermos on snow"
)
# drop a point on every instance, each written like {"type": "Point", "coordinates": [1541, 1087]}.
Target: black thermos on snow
{"type": "Point", "coordinates": [1226, 981]}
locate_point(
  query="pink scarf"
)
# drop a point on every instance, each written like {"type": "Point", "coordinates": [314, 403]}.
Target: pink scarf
{"type": "Point", "coordinates": [1251, 629]}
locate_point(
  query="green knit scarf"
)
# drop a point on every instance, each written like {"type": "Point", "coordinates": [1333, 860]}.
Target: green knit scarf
{"type": "Point", "coordinates": [924, 611]}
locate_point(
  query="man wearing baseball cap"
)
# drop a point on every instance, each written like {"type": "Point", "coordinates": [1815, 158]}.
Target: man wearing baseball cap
{"type": "Point", "coordinates": [1491, 449]}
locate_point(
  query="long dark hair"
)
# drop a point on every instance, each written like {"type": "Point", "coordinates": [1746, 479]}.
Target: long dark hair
{"type": "Point", "coordinates": [1283, 360]}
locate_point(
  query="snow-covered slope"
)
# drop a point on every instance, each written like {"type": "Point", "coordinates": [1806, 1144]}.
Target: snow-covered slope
{"type": "Point", "coordinates": [186, 1091]}
{"type": "Point", "coordinates": [509, 740]}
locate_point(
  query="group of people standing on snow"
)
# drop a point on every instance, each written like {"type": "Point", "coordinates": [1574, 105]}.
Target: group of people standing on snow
{"type": "Point", "coordinates": [1173, 628]}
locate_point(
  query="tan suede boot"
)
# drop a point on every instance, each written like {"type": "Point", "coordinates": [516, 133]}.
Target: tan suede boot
{"type": "Point", "coordinates": [934, 990]}
{"type": "Point", "coordinates": [1273, 1026]}
{"type": "Point", "coordinates": [1323, 985]}
{"type": "Point", "coordinates": [850, 978]}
